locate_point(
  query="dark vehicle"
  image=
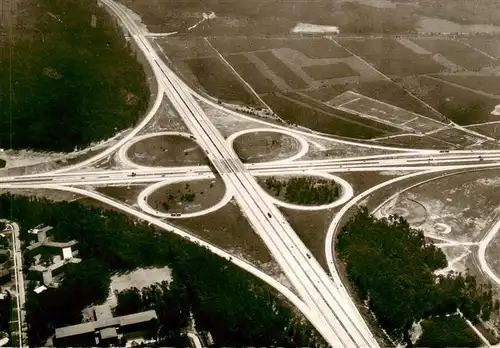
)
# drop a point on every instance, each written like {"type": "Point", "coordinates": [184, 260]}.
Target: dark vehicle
{"type": "Point", "coordinates": [444, 151]}
{"type": "Point", "coordinates": [134, 174]}
{"type": "Point", "coordinates": [269, 215]}
{"type": "Point", "coordinates": [308, 256]}
{"type": "Point", "coordinates": [192, 137]}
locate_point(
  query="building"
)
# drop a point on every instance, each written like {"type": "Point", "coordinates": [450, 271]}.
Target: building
{"type": "Point", "coordinates": [106, 330]}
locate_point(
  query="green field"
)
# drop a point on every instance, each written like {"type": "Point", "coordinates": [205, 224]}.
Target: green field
{"type": "Point", "coordinates": [392, 58]}
{"type": "Point", "coordinates": [330, 71]}
{"type": "Point", "coordinates": [220, 82]}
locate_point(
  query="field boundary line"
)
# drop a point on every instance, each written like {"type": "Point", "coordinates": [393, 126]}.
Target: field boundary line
{"type": "Point", "coordinates": [238, 75]}
{"type": "Point", "coordinates": [479, 50]}
{"type": "Point", "coordinates": [481, 124]}
{"type": "Point", "coordinates": [473, 90]}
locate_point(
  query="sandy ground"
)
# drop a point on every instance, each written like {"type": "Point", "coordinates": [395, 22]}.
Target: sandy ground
{"type": "Point", "coordinates": [314, 28]}
{"type": "Point", "coordinates": [139, 278]}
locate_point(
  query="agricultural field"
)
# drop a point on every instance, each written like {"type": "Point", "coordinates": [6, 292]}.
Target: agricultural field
{"type": "Point", "coordinates": [462, 55]}
{"type": "Point", "coordinates": [391, 57]}
{"type": "Point", "coordinates": [220, 82]}
{"type": "Point", "coordinates": [330, 71]}
{"type": "Point", "coordinates": [280, 69]}
{"type": "Point", "coordinates": [487, 44]}
{"type": "Point", "coordinates": [384, 113]}
{"type": "Point", "coordinates": [299, 113]}
{"type": "Point", "coordinates": [459, 105]}
{"type": "Point", "coordinates": [166, 151]}
{"type": "Point", "coordinates": [483, 83]}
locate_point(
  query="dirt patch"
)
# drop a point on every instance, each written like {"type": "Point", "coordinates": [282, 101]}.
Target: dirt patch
{"type": "Point", "coordinates": [166, 151]}
{"type": "Point", "coordinates": [230, 230]}
{"type": "Point", "coordinates": [265, 147]}
{"type": "Point", "coordinates": [448, 202]}
{"type": "Point", "coordinates": [187, 197]}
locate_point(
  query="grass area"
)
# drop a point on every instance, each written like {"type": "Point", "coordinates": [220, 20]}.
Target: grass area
{"type": "Point", "coordinates": [220, 82]}
{"type": "Point", "coordinates": [163, 151]}
{"type": "Point", "coordinates": [426, 142]}
{"type": "Point", "coordinates": [281, 70]}
{"type": "Point", "coordinates": [265, 146]}
{"type": "Point", "coordinates": [299, 113]}
{"type": "Point", "coordinates": [311, 227]}
{"type": "Point", "coordinates": [450, 331]}
{"type": "Point", "coordinates": [459, 105]}
{"type": "Point", "coordinates": [180, 48]}
{"type": "Point", "coordinates": [456, 52]}
{"type": "Point", "coordinates": [488, 84]}
{"type": "Point", "coordinates": [392, 58]}
{"type": "Point", "coordinates": [70, 90]}
{"type": "Point", "coordinates": [235, 234]}
{"type": "Point", "coordinates": [187, 197]}
{"type": "Point", "coordinates": [330, 71]}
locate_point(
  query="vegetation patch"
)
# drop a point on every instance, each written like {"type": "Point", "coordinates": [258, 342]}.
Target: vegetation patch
{"type": "Point", "coordinates": [66, 88]}
{"type": "Point", "coordinates": [220, 82]}
{"type": "Point", "coordinates": [162, 151]}
{"type": "Point", "coordinates": [304, 190]}
{"type": "Point", "coordinates": [187, 197]}
{"type": "Point", "coordinates": [391, 266]}
{"type": "Point", "coordinates": [202, 284]}
{"type": "Point", "coordinates": [448, 331]}
{"type": "Point", "coordinates": [330, 71]}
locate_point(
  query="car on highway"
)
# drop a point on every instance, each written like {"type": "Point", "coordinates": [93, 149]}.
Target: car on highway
{"type": "Point", "coordinates": [269, 215]}
{"type": "Point", "coordinates": [133, 174]}
{"type": "Point", "coordinates": [308, 256]}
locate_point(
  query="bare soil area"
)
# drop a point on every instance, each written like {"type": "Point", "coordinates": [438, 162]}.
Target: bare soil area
{"type": "Point", "coordinates": [166, 151]}
{"type": "Point", "coordinates": [449, 202]}
{"type": "Point", "coordinates": [265, 146]}
{"type": "Point", "coordinates": [176, 197]}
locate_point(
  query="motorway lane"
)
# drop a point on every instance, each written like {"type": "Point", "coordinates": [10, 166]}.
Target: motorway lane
{"type": "Point", "coordinates": [309, 276]}
{"type": "Point", "coordinates": [215, 144]}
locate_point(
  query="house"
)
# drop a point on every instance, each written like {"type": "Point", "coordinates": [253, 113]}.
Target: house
{"type": "Point", "coordinates": [106, 330]}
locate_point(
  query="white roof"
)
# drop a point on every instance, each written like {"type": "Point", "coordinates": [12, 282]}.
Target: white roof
{"type": "Point", "coordinates": [40, 289]}
{"type": "Point", "coordinates": [4, 341]}
{"type": "Point", "coordinates": [67, 253]}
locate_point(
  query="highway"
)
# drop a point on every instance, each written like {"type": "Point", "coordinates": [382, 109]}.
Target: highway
{"type": "Point", "coordinates": [143, 174]}
{"type": "Point", "coordinates": [323, 299]}
{"type": "Point", "coordinates": [335, 316]}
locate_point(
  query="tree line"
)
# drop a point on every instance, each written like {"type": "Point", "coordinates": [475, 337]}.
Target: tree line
{"type": "Point", "coordinates": [391, 266]}
{"type": "Point", "coordinates": [304, 190]}
{"type": "Point", "coordinates": [68, 83]}
{"type": "Point", "coordinates": [236, 308]}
